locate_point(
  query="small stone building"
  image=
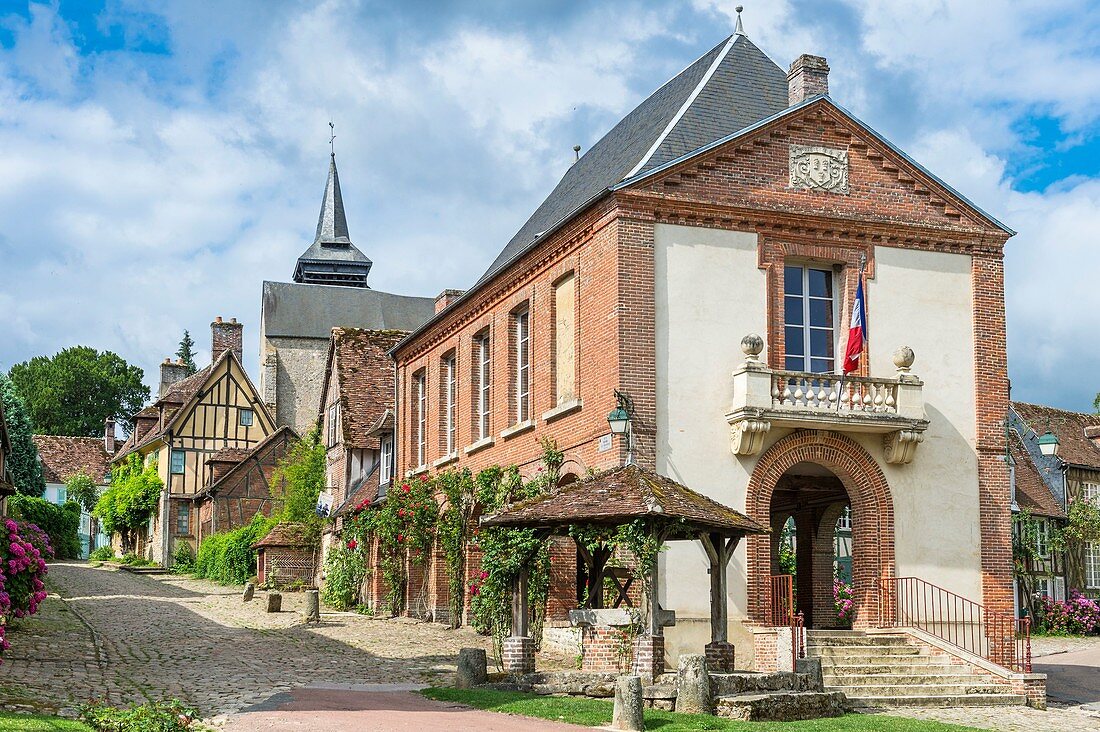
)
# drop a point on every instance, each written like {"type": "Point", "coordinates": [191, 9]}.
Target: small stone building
{"type": "Point", "coordinates": [286, 556]}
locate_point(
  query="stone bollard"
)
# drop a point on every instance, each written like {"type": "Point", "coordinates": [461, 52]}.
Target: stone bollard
{"type": "Point", "coordinates": [249, 591]}
{"type": "Point", "coordinates": [313, 606]}
{"type": "Point", "coordinates": [628, 714]}
{"type": "Point", "coordinates": [472, 668]}
{"type": "Point", "coordinates": [274, 602]}
{"type": "Point", "coordinates": [693, 685]}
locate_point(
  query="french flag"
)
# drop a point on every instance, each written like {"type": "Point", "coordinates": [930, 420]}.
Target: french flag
{"type": "Point", "coordinates": [857, 332]}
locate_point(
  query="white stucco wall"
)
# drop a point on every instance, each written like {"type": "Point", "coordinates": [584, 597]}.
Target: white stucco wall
{"type": "Point", "coordinates": [709, 294]}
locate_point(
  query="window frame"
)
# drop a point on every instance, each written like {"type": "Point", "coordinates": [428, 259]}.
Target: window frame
{"type": "Point", "coordinates": [183, 511]}
{"type": "Point", "coordinates": [806, 327]}
{"type": "Point", "coordinates": [449, 376]}
{"type": "Point", "coordinates": [1092, 565]}
{"type": "Point", "coordinates": [420, 379]}
{"type": "Point", "coordinates": [484, 356]}
{"type": "Point", "coordinates": [385, 459]}
{"type": "Point", "coordinates": [333, 419]}
{"type": "Point", "coordinates": [172, 454]}
{"type": "Point", "coordinates": [522, 335]}
{"type": "Point", "coordinates": [251, 417]}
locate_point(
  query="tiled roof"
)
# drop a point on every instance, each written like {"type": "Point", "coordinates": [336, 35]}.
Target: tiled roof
{"type": "Point", "coordinates": [229, 455]}
{"type": "Point", "coordinates": [364, 489]}
{"type": "Point", "coordinates": [288, 534]}
{"type": "Point", "coordinates": [384, 424]}
{"type": "Point", "coordinates": [1074, 446]}
{"type": "Point", "coordinates": [365, 381]}
{"type": "Point", "coordinates": [622, 495]}
{"type": "Point", "coordinates": [64, 457]}
{"type": "Point", "coordinates": [263, 452]}
{"type": "Point", "coordinates": [1031, 492]}
{"type": "Point", "coordinates": [182, 391]}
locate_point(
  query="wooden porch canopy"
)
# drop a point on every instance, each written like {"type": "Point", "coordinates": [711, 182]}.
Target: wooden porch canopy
{"type": "Point", "coordinates": [620, 496]}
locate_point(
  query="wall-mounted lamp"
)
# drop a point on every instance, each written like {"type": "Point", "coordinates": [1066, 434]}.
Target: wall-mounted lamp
{"type": "Point", "coordinates": [619, 421]}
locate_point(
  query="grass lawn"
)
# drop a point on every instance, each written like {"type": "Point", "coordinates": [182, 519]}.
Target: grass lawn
{"type": "Point", "coordinates": [597, 712]}
{"type": "Point", "coordinates": [10, 722]}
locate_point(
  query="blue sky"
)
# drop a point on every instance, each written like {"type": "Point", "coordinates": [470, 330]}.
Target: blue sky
{"type": "Point", "coordinates": [160, 159]}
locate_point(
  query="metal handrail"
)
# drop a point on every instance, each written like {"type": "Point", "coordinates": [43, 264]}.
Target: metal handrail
{"type": "Point", "coordinates": [910, 602]}
{"type": "Point", "coordinates": [780, 599]}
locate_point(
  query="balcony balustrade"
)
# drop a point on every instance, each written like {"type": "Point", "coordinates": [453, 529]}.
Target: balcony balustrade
{"type": "Point", "coordinates": [764, 398]}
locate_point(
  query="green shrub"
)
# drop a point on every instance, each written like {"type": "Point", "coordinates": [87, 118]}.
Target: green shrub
{"type": "Point", "coordinates": [345, 571]}
{"type": "Point", "coordinates": [61, 523]}
{"type": "Point", "coordinates": [162, 716]}
{"type": "Point", "coordinates": [133, 560]}
{"type": "Point", "coordinates": [126, 507]}
{"type": "Point", "coordinates": [103, 554]}
{"type": "Point", "coordinates": [183, 559]}
{"type": "Point", "coordinates": [228, 557]}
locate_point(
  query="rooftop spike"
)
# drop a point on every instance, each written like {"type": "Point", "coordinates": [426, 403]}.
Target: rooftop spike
{"type": "Point", "coordinates": [332, 225]}
{"type": "Point", "coordinates": [739, 29]}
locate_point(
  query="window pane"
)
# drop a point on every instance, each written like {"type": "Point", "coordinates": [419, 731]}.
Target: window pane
{"type": "Point", "coordinates": [821, 365]}
{"type": "Point", "coordinates": [821, 342]}
{"type": "Point", "coordinates": [821, 283]}
{"type": "Point", "coordinates": [821, 313]}
{"type": "Point", "coordinates": [794, 344]}
{"type": "Point", "coordinates": [792, 280]}
{"type": "Point", "coordinates": [792, 310]}
{"type": "Point", "coordinates": [795, 363]}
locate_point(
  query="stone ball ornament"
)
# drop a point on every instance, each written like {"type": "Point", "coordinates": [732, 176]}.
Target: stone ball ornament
{"type": "Point", "coordinates": [752, 345]}
{"type": "Point", "coordinates": [904, 357]}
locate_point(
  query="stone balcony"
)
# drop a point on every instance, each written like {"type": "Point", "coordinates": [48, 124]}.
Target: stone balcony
{"type": "Point", "coordinates": [764, 398]}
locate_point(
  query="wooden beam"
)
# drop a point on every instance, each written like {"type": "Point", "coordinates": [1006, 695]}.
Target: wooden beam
{"type": "Point", "coordinates": [520, 611]}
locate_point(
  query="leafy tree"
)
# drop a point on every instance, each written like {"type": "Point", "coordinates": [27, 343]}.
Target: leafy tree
{"type": "Point", "coordinates": [82, 489]}
{"type": "Point", "coordinates": [186, 353]}
{"type": "Point", "coordinates": [74, 391]}
{"type": "Point", "coordinates": [302, 475]}
{"type": "Point", "coordinates": [26, 471]}
{"type": "Point", "coordinates": [125, 507]}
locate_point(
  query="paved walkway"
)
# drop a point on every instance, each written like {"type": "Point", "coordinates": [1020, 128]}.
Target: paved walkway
{"type": "Point", "coordinates": [126, 637]}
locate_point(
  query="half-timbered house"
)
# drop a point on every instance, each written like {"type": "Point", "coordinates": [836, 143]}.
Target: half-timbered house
{"type": "Point", "coordinates": [193, 419]}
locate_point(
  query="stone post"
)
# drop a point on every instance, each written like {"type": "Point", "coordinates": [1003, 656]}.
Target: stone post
{"type": "Point", "coordinates": [313, 606]}
{"type": "Point", "coordinates": [519, 655]}
{"type": "Point", "coordinates": [274, 602]}
{"type": "Point", "coordinates": [472, 668]}
{"type": "Point", "coordinates": [693, 685]}
{"type": "Point", "coordinates": [249, 591]}
{"type": "Point", "coordinates": [628, 714]}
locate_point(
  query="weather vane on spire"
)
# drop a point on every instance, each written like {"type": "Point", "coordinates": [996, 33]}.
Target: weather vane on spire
{"type": "Point", "coordinates": [739, 29]}
{"type": "Point", "coordinates": [331, 137]}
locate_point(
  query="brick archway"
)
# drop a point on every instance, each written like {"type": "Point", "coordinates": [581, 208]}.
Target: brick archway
{"type": "Point", "coordinates": [872, 514]}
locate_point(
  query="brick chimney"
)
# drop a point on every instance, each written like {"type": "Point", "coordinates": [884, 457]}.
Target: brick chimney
{"type": "Point", "coordinates": [808, 77]}
{"type": "Point", "coordinates": [226, 337]}
{"type": "Point", "coordinates": [445, 298]}
{"type": "Point", "coordinates": [170, 373]}
{"type": "Point", "coordinates": [109, 436]}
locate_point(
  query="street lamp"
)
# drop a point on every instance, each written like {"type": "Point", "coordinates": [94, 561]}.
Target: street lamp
{"type": "Point", "coordinates": [619, 421]}
{"type": "Point", "coordinates": [1048, 443]}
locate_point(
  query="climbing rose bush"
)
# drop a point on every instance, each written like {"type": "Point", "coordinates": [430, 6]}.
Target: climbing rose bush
{"type": "Point", "coordinates": [1076, 616]}
{"type": "Point", "coordinates": [22, 566]}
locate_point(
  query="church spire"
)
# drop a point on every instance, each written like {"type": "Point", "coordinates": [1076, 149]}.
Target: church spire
{"type": "Point", "coordinates": [332, 259]}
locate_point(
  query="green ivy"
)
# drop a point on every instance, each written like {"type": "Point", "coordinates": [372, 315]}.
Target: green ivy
{"type": "Point", "coordinates": [126, 507]}
{"type": "Point", "coordinates": [345, 570]}
{"type": "Point", "coordinates": [298, 480]}
{"type": "Point", "coordinates": [455, 530]}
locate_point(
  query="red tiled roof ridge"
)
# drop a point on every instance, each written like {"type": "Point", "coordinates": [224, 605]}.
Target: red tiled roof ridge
{"type": "Point", "coordinates": [285, 534]}
{"type": "Point", "coordinates": [1075, 445]}
{"type": "Point", "coordinates": [64, 456]}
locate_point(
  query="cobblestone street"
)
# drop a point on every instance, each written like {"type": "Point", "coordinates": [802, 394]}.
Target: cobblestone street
{"type": "Point", "coordinates": [127, 637]}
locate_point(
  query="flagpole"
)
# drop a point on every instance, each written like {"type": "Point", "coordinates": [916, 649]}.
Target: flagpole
{"type": "Point", "coordinates": [863, 346]}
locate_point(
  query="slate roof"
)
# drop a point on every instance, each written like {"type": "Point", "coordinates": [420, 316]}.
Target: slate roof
{"type": "Point", "coordinates": [726, 89]}
{"type": "Point", "coordinates": [365, 381]}
{"type": "Point", "coordinates": [288, 534]}
{"type": "Point", "coordinates": [1074, 446]}
{"type": "Point", "coordinates": [1031, 492]}
{"type": "Point", "coordinates": [64, 457]}
{"type": "Point", "coordinates": [621, 495]}
{"type": "Point", "coordinates": [332, 258]}
{"type": "Point", "coordinates": [295, 310]}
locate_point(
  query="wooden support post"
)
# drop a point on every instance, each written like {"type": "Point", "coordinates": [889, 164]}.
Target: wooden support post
{"type": "Point", "coordinates": [596, 563]}
{"type": "Point", "coordinates": [520, 612]}
{"type": "Point", "coordinates": [653, 603]}
{"type": "Point", "coordinates": [720, 654]}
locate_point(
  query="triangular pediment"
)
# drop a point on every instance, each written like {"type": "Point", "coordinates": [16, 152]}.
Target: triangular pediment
{"type": "Point", "coordinates": [815, 159]}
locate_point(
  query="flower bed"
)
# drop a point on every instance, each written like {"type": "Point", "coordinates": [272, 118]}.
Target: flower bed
{"type": "Point", "coordinates": [24, 557]}
{"type": "Point", "coordinates": [1076, 616]}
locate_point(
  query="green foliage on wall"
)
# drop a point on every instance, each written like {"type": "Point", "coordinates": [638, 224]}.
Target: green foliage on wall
{"type": "Point", "coordinates": [26, 471]}
{"type": "Point", "coordinates": [228, 557]}
{"type": "Point", "coordinates": [75, 390]}
{"type": "Point", "coordinates": [61, 523]}
{"type": "Point", "coordinates": [298, 481]}
{"type": "Point", "coordinates": [127, 505]}
{"type": "Point", "coordinates": [82, 489]}
{"type": "Point", "coordinates": [345, 570]}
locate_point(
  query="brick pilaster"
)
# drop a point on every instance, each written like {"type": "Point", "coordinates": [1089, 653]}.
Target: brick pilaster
{"type": "Point", "coordinates": [519, 655]}
{"type": "Point", "coordinates": [649, 656]}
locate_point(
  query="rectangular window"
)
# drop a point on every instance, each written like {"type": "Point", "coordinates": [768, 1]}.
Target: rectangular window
{"type": "Point", "coordinates": [1091, 492]}
{"type": "Point", "coordinates": [1092, 565]}
{"type": "Point", "coordinates": [522, 336]}
{"type": "Point", "coordinates": [565, 339]}
{"type": "Point", "coordinates": [333, 419]}
{"type": "Point", "coordinates": [421, 418]}
{"type": "Point", "coordinates": [247, 417]}
{"type": "Point", "coordinates": [176, 462]}
{"type": "Point", "coordinates": [183, 518]}
{"type": "Point", "coordinates": [484, 378]}
{"type": "Point", "coordinates": [385, 468]}
{"type": "Point", "coordinates": [449, 392]}
{"type": "Point", "coordinates": [808, 313]}
{"type": "Point", "coordinates": [1042, 539]}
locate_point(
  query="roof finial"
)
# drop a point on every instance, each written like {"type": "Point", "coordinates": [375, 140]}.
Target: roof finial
{"type": "Point", "coordinates": [331, 137]}
{"type": "Point", "coordinates": [739, 29]}
{"type": "Point", "coordinates": [576, 153]}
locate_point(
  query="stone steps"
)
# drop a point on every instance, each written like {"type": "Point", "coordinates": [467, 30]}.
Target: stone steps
{"type": "Point", "coordinates": [921, 690]}
{"type": "Point", "coordinates": [965, 700]}
{"type": "Point", "coordinates": [889, 678]}
{"type": "Point", "coordinates": [861, 651]}
{"type": "Point", "coordinates": [781, 706]}
{"type": "Point", "coordinates": [758, 683]}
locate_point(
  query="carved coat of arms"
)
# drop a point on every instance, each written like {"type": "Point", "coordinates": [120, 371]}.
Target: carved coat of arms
{"type": "Point", "coordinates": [819, 168]}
